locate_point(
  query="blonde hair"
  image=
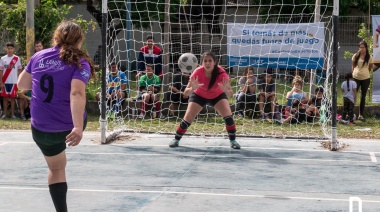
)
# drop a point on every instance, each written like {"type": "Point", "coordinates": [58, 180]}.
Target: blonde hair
{"type": "Point", "coordinates": [297, 79]}
{"type": "Point", "coordinates": [68, 35]}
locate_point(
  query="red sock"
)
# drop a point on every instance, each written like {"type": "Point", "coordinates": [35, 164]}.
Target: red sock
{"type": "Point", "coordinates": [158, 106]}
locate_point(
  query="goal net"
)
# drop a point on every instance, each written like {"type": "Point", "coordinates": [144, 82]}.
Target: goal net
{"type": "Point", "coordinates": [287, 40]}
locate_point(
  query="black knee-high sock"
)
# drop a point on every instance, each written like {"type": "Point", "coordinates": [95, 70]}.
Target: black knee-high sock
{"type": "Point", "coordinates": [181, 130]}
{"type": "Point", "coordinates": [58, 193]}
{"type": "Point", "coordinates": [230, 127]}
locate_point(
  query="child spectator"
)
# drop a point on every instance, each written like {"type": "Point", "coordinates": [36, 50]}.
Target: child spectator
{"type": "Point", "coordinates": [247, 93]}
{"type": "Point", "coordinates": [10, 68]}
{"type": "Point", "coordinates": [297, 113]}
{"type": "Point", "coordinates": [349, 98]}
{"type": "Point", "coordinates": [149, 86]}
{"type": "Point", "coordinates": [315, 104]}
{"type": "Point", "coordinates": [116, 85]}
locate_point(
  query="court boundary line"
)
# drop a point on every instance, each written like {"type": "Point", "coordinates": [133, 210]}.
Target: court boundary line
{"type": "Point", "coordinates": [215, 156]}
{"type": "Point", "coordinates": [3, 144]}
{"type": "Point", "coordinates": [200, 146]}
{"type": "Point", "coordinates": [373, 157]}
{"type": "Point", "coordinates": [201, 193]}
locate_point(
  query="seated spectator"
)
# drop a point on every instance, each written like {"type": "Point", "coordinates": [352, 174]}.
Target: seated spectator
{"type": "Point", "coordinates": [297, 113]}
{"type": "Point", "coordinates": [295, 94]}
{"type": "Point", "coordinates": [180, 82]}
{"type": "Point", "coordinates": [149, 54]}
{"type": "Point", "coordinates": [116, 85]}
{"type": "Point", "coordinates": [246, 98]}
{"type": "Point", "coordinates": [267, 95]}
{"type": "Point", "coordinates": [314, 104]}
{"type": "Point", "coordinates": [24, 103]}
{"type": "Point", "coordinates": [149, 86]}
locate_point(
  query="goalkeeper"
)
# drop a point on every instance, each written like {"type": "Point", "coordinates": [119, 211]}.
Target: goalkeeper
{"type": "Point", "coordinates": [209, 84]}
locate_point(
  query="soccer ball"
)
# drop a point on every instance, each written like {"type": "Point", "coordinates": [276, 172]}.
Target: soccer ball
{"type": "Point", "coordinates": [187, 62]}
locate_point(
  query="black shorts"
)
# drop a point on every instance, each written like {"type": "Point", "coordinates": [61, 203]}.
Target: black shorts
{"type": "Point", "coordinates": [52, 143]}
{"type": "Point", "coordinates": [177, 98]}
{"type": "Point", "coordinates": [203, 101]}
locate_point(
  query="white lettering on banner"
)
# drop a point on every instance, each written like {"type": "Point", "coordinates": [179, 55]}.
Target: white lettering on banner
{"type": "Point", "coordinates": [277, 42]}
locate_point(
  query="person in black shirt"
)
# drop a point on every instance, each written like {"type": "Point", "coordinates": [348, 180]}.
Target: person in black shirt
{"type": "Point", "coordinates": [267, 94]}
{"type": "Point", "coordinates": [179, 85]}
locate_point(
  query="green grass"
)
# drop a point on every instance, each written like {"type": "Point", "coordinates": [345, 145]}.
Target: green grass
{"type": "Point", "coordinates": [281, 89]}
{"type": "Point", "coordinates": [212, 124]}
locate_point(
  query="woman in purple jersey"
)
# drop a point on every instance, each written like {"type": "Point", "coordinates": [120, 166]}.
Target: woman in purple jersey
{"type": "Point", "coordinates": [58, 77]}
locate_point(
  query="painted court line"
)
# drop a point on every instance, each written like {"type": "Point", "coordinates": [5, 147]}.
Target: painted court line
{"type": "Point", "coordinates": [373, 157]}
{"type": "Point", "coordinates": [3, 143]}
{"type": "Point", "coordinates": [244, 147]}
{"type": "Point", "coordinates": [194, 193]}
{"type": "Point", "coordinates": [216, 156]}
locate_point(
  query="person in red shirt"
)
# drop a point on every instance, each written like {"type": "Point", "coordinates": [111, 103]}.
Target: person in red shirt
{"type": "Point", "coordinates": [209, 84]}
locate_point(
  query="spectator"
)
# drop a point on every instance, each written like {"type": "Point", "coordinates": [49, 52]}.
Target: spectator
{"type": "Point", "coordinates": [315, 104]}
{"type": "Point", "coordinates": [177, 95]}
{"type": "Point", "coordinates": [38, 46]}
{"type": "Point", "coordinates": [10, 68]}
{"type": "Point", "coordinates": [376, 36]}
{"type": "Point", "coordinates": [361, 66]}
{"type": "Point", "coordinates": [117, 90]}
{"type": "Point", "coordinates": [297, 113]}
{"type": "Point", "coordinates": [24, 100]}
{"type": "Point", "coordinates": [349, 98]}
{"type": "Point", "coordinates": [246, 98]}
{"type": "Point", "coordinates": [149, 54]}
{"type": "Point", "coordinates": [295, 94]}
{"type": "Point", "coordinates": [267, 95]}
{"type": "Point", "coordinates": [149, 86]}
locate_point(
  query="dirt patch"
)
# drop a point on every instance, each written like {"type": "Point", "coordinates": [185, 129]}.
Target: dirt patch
{"type": "Point", "coordinates": [328, 144]}
{"type": "Point", "coordinates": [121, 139]}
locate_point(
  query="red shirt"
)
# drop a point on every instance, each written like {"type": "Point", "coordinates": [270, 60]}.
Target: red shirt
{"type": "Point", "coordinates": [203, 91]}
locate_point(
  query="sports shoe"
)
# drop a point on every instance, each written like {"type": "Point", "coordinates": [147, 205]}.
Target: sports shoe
{"type": "Point", "coordinates": [14, 117]}
{"type": "Point", "coordinates": [343, 121]}
{"type": "Point", "coordinates": [360, 118]}
{"type": "Point", "coordinates": [241, 114]}
{"type": "Point", "coordinates": [3, 117]}
{"type": "Point", "coordinates": [141, 116]}
{"type": "Point", "coordinates": [262, 117]}
{"type": "Point", "coordinates": [174, 143]}
{"type": "Point", "coordinates": [234, 144]}
{"type": "Point", "coordinates": [279, 122]}
{"type": "Point", "coordinates": [23, 117]}
{"type": "Point", "coordinates": [352, 123]}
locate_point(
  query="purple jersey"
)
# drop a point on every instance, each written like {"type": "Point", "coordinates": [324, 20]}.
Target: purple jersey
{"type": "Point", "coordinates": [51, 86]}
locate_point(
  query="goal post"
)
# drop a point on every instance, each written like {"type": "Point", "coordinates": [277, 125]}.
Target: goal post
{"type": "Point", "coordinates": [180, 26]}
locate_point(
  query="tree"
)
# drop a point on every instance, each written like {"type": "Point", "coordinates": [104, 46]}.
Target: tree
{"type": "Point", "coordinates": [306, 7]}
{"type": "Point", "coordinates": [46, 16]}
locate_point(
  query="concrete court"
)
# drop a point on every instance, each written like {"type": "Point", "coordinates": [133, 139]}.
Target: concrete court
{"type": "Point", "coordinates": [142, 173]}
